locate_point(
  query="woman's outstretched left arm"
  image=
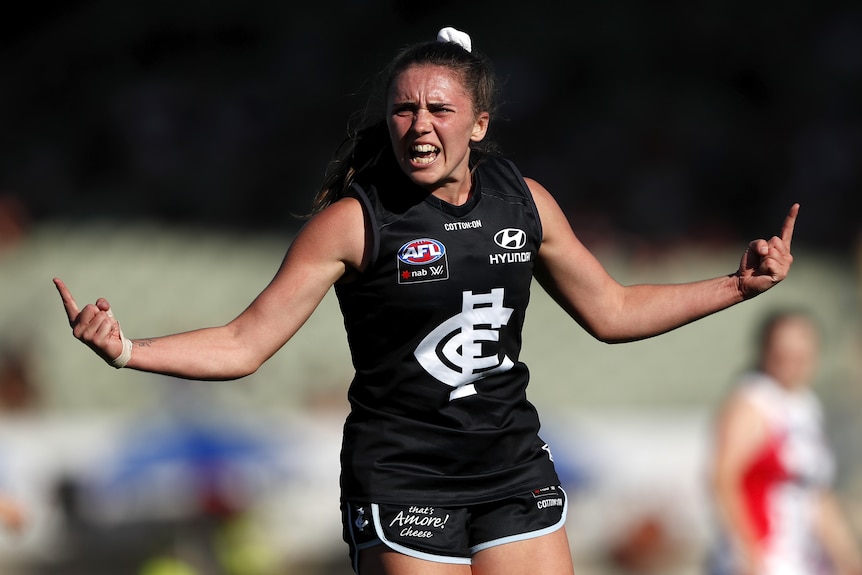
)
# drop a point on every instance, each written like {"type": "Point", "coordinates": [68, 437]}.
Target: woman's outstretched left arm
{"type": "Point", "coordinates": [614, 313]}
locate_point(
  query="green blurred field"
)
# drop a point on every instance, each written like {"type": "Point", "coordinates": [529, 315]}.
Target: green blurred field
{"type": "Point", "coordinates": [638, 412]}
{"type": "Point", "coordinates": [161, 280]}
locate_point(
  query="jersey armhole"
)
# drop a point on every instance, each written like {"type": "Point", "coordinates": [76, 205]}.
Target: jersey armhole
{"type": "Point", "coordinates": [527, 194]}
{"type": "Point", "coordinates": [357, 192]}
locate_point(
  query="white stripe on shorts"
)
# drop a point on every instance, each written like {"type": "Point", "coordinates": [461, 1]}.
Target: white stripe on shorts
{"type": "Point", "coordinates": [375, 513]}
{"type": "Point", "coordinates": [525, 536]}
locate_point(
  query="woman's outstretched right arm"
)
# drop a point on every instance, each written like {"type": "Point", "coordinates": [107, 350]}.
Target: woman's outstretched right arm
{"type": "Point", "coordinates": [328, 245]}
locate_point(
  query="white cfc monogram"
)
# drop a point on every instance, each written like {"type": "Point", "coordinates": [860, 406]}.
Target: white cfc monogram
{"type": "Point", "coordinates": [459, 341]}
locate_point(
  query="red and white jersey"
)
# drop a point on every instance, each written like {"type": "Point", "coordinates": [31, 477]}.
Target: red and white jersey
{"type": "Point", "coordinates": [783, 479]}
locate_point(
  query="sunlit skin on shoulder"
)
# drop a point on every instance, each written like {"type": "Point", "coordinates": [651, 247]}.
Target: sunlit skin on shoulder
{"type": "Point", "coordinates": [432, 121]}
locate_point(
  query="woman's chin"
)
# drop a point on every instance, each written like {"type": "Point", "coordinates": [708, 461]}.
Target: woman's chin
{"type": "Point", "coordinates": [422, 176]}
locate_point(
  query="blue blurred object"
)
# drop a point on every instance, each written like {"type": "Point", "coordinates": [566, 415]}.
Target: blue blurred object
{"type": "Point", "coordinates": [201, 445]}
{"type": "Point", "coordinates": [198, 465]}
{"type": "Point", "coordinates": [570, 458]}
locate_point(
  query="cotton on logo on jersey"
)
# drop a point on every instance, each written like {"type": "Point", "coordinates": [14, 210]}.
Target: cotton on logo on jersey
{"type": "Point", "coordinates": [510, 239]}
{"type": "Point", "coordinates": [453, 351]}
{"type": "Point", "coordinates": [422, 260]}
{"type": "Point", "coordinates": [455, 226]}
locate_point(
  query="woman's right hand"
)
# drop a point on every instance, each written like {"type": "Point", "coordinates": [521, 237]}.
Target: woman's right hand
{"type": "Point", "coordinates": [94, 325]}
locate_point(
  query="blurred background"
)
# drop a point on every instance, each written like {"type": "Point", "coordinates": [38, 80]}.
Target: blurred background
{"type": "Point", "coordinates": [158, 154]}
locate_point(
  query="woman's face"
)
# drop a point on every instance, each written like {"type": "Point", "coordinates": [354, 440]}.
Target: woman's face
{"type": "Point", "coordinates": [431, 124]}
{"type": "Point", "coordinates": [791, 352]}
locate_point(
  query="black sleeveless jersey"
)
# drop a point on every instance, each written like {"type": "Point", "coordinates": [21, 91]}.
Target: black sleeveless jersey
{"type": "Point", "coordinates": [439, 413]}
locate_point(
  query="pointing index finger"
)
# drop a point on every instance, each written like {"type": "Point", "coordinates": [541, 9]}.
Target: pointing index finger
{"type": "Point", "coordinates": [69, 303]}
{"type": "Point", "coordinates": [789, 223]}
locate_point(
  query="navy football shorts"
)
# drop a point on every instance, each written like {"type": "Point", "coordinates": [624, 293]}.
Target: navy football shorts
{"type": "Point", "coordinates": [452, 534]}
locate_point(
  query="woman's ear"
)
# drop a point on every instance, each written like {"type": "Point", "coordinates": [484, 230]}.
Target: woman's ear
{"type": "Point", "coordinates": [480, 127]}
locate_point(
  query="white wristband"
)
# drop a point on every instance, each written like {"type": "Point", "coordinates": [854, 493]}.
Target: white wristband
{"type": "Point", "coordinates": [124, 357]}
{"type": "Point", "coordinates": [121, 360]}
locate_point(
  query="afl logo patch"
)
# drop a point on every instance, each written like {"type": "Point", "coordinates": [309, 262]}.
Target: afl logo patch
{"type": "Point", "coordinates": [421, 252]}
{"type": "Point", "coordinates": [422, 260]}
{"type": "Point", "coordinates": [511, 238]}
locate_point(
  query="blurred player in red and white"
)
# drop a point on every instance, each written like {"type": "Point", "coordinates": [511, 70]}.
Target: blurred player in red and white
{"type": "Point", "coordinates": [772, 468]}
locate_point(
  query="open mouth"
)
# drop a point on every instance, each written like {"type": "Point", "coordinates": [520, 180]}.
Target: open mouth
{"type": "Point", "coordinates": [423, 153]}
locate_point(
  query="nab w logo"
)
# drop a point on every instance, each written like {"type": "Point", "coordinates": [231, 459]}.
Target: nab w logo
{"type": "Point", "coordinates": [462, 349]}
{"type": "Point", "coordinates": [511, 238]}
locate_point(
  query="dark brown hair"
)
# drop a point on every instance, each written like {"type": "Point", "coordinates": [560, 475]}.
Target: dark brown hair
{"type": "Point", "coordinates": [365, 144]}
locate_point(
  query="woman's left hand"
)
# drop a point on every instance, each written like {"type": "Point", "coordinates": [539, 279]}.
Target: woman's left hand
{"type": "Point", "coordinates": [766, 262]}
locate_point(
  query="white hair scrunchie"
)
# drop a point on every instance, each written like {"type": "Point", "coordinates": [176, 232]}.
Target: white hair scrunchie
{"type": "Point", "coordinates": [450, 34]}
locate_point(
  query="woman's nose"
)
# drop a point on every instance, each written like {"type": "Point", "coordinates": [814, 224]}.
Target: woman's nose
{"type": "Point", "coordinates": [422, 121]}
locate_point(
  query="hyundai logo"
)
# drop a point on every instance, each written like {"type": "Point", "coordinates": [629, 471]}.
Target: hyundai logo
{"type": "Point", "coordinates": [510, 238]}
